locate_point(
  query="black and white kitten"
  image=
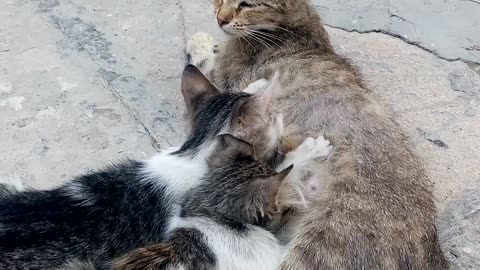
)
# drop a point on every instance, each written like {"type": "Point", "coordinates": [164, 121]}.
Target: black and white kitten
{"type": "Point", "coordinates": [102, 215]}
{"type": "Point", "coordinates": [221, 223]}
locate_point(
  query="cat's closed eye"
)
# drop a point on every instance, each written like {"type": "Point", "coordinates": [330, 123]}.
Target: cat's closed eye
{"type": "Point", "coordinates": [243, 5]}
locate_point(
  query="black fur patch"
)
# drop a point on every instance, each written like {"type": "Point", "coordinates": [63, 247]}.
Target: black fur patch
{"type": "Point", "coordinates": [114, 213]}
{"type": "Point", "coordinates": [192, 250]}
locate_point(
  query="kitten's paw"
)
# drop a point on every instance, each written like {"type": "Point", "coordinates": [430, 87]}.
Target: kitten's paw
{"type": "Point", "coordinates": [312, 149]}
{"type": "Point", "coordinates": [200, 51]}
{"type": "Point", "coordinates": [257, 85]}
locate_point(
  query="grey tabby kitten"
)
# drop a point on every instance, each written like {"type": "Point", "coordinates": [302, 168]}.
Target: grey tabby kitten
{"type": "Point", "coordinates": [218, 226]}
{"type": "Point", "coordinates": [221, 221]}
{"type": "Point", "coordinates": [375, 208]}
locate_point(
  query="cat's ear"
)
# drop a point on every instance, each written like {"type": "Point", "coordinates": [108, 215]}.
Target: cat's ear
{"type": "Point", "coordinates": [265, 97]}
{"type": "Point", "coordinates": [271, 186]}
{"type": "Point", "coordinates": [229, 148]}
{"type": "Point", "coordinates": [267, 190]}
{"type": "Point", "coordinates": [196, 88]}
{"type": "Point", "coordinates": [263, 92]}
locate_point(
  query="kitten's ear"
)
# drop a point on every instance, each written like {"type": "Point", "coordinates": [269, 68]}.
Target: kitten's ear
{"type": "Point", "coordinates": [229, 148]}
{"type": "Point", "coordinates": [265, 96]}
{"type": "Point", "coordinates": [196, 88]}
{"type": "Point", "coordinates": [272, 186]}
{"type": "Point", "coordinates": [268, 189]}
{"type": "Point", "coordinates": [263, 93]}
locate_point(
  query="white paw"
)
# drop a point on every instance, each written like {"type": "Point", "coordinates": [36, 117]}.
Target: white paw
{"type": "Point", "coordinates": [200, 49]}
{"type": "Point", "coordinates": [312, 149]}
{"type": "Point", "coordinates": [257, 85]}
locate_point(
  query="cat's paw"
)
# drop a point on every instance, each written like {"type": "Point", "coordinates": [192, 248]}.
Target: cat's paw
{"type": "Point", "coordinates": [311, 149]}
{"type": "Point", "coordinates": [200, 51]}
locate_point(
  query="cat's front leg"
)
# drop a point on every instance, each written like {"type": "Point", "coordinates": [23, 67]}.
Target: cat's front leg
{"type": "Point", "coordinates": [201, 50]}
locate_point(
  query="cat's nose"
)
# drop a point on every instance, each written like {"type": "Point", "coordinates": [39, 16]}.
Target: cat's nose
{"type": "Point", "coordinates": [222, 20]}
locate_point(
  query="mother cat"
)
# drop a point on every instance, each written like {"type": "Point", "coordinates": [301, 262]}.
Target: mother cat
{"type": "Point", "coordinates": [378, 211]}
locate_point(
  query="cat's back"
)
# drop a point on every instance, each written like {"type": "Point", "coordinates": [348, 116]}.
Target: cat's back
{"type": "Point", "coordinates": [97, 216]}
{"type": "Point", "coordinates": [380, 208]}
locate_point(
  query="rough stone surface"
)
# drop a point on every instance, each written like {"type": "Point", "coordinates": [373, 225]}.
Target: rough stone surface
{"type": "Point", "coordinates": [84, 83]}
{"type": "Point", "coordinates": [449, 28]}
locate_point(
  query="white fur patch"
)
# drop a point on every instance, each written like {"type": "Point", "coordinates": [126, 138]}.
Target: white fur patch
{"type": "Point", "coordinates": [178, 173]}
{"type": "Point", "coordinates": [257, 85]}
{"type": "Point", "coordinates": [13, 182]}
{"type": "Point", "coordinates": [78, 191]}
{"type": "Point", "coordinates": [257, 249]}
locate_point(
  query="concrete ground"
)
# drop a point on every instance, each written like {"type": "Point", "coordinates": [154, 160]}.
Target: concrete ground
{"type": "Point", "coordinates": [87, 82]}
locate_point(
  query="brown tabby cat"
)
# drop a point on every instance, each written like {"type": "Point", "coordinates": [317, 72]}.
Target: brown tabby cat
{"type": "Point", "coordinates": [378, 210]}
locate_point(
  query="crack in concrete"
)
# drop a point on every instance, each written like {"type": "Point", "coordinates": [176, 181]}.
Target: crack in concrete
{"type": "Point", "coordinates": [413, 43]}
{"type": "Point", "coordinates": [24, 51]}
{"type": "Point", "coordinates": [391, 14]}
{"type": "Point", "coordinates": [112, 89]}
{"type": "Point", "coordinates": [473, 1]}
{"type": "Point", "coordinates": [396, 16]}
{"type": "Point", "coordinates": [183, 27]}
{"type": "Point", "coordinates": [96, 45]}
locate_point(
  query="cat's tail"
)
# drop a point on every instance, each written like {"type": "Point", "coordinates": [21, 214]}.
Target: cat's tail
{"type": "Point", "coordinates": [159, 256]}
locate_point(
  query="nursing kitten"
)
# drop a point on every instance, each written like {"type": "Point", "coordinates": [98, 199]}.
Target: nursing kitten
{"type": "Point", "coordinates": [101, 215]}
{"type": "Point", "coordinates": [377, 209]}
{"type": "Point", "coordinates": [220, 223]}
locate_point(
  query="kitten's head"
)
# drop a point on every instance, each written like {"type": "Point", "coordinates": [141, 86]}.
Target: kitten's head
{"type": "Point", "coordinates": [244, 17]}
{"type": "Point", "coordinates": [210, 112]}
{"type": "Point", "coordinates": [239, 188]}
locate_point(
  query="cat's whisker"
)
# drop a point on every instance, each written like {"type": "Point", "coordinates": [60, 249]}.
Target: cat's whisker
{"type": "Point", "coordinates": [268, 40]}
{"type": "Point", "coordinates": [241, 34]}
{"type": "Point", "coordinates": [254, 37]}
{"type": "Point", "coordinates": [246, 40]}
{"type": "Point", "coordinates": [270, 37]}
{"type": "Point", "coordinates": [272, 27]}
{"type": "Point", "coordinates": [264, 39]}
